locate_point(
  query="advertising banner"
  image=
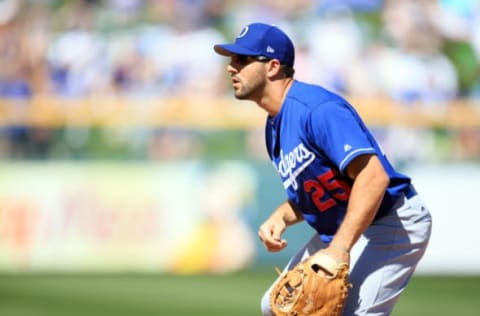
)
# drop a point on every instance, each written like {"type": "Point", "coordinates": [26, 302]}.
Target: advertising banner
{"type": "Point", "coordinates": [182, 217]}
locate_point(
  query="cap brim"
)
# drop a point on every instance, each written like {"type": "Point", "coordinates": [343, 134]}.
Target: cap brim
{"type": "Point", "coordinates": [233, 49]}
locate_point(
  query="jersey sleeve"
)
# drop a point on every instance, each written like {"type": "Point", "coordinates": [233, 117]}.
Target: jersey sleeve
{"type": "Point", "coordinates": [337, 131]}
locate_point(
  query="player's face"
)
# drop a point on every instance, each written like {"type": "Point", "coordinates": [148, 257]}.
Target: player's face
{"type": "Point", "coordinates": [248, 76]}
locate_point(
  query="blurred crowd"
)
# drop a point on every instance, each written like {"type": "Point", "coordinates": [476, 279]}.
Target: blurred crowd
{"type": "Point", "coordinates": [408, 51]}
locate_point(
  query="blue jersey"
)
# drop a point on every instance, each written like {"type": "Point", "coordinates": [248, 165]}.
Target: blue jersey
{"type": "Point", "coordinates": [311, 141]}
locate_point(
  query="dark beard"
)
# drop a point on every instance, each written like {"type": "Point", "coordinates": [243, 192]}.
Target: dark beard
{"type": "Point", "coordinates": [249, 92]}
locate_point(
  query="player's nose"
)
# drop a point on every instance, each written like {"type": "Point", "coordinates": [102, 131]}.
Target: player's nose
{"type": "Point", "coordinates": [231, 69]}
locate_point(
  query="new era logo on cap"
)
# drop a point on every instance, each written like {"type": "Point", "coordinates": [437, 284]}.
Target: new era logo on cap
{"type": "Point", "coordinates": [260, 39]}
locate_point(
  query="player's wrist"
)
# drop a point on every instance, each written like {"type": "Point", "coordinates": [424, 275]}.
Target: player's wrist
{"type": "Point", "coordinates": [340, 248]}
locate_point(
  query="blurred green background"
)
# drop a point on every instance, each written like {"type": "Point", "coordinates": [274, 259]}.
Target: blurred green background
{"type": "Point", "coordinates": [202, 295]}
{"type": "Point", "coordinates": [132, 183]}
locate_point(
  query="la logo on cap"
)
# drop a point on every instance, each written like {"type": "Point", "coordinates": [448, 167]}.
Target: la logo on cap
{"type": "Point", "coordinates": [243, 32]}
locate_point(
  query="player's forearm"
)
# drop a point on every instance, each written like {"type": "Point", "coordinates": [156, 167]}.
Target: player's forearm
{"type": "Point", "coordinates": [365, 199]}
{"type": "Point", "coordinates": [270, 232]}
{"type": "Point", "coordinates": [288, 213]}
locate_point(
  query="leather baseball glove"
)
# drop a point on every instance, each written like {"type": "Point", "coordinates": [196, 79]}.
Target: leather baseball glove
{"type": "Point", "coordinates": [317, 286]}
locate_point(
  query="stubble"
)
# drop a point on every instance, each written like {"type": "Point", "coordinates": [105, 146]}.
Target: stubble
{"type": "Point", "coordinates": [251, 87]}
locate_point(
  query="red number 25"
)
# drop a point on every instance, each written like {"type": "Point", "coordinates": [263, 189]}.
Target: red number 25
{"type": "Point", "coordinates": [337, 188]}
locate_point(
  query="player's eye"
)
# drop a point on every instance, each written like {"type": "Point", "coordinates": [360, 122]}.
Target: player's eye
{"type": "Point", "coordinates": [243, 60]}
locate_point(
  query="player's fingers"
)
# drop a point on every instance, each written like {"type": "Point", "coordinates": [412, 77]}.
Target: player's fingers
{"type": "Point", "coordinates": [272, 244]}
{"type": "Point", "coordinates": [276, 246]}
{"type": "Point", "coordinates": [277, 236]}
{"type": "Point", "coordinates": [266, 233]}
{"type": "Point", "coordinates": [263, 233]}
{"type": "Point", "coordinates": [277, 232]}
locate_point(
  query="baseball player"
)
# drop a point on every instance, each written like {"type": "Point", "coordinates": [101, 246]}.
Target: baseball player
{"type": "Point", "coordinates": [336, 177]}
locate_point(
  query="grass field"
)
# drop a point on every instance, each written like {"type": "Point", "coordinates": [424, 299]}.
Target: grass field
{"type": "Point", "coordinates": [232, 295]}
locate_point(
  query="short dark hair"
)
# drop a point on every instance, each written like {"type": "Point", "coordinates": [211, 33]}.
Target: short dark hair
{"type": "Point", "coordinates": [288, 70]}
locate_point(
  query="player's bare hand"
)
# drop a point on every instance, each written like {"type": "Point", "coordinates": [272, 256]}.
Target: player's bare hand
{"type": "Point", "coordinates": [337, 253]}
{"type": "Point", "coordinates": [270, 234]}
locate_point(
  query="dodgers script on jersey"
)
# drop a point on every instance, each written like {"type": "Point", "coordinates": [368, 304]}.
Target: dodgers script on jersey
{"type": "Point", "coordinates": [310, 141]}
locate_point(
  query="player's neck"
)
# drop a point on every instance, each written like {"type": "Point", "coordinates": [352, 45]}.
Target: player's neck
{"type": "Point", "coordinates": [274, 95]}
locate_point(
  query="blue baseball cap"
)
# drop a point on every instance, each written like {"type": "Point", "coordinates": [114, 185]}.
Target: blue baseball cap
{"type": "Point", "coordinates": [260, 39]}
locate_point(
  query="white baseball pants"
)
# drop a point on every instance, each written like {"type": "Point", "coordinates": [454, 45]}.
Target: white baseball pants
{"type": "Point", "coordinates": [382, 261]}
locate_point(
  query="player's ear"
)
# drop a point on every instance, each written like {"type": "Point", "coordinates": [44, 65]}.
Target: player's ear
{"type": "Point", "coordinates": [274, 69]}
